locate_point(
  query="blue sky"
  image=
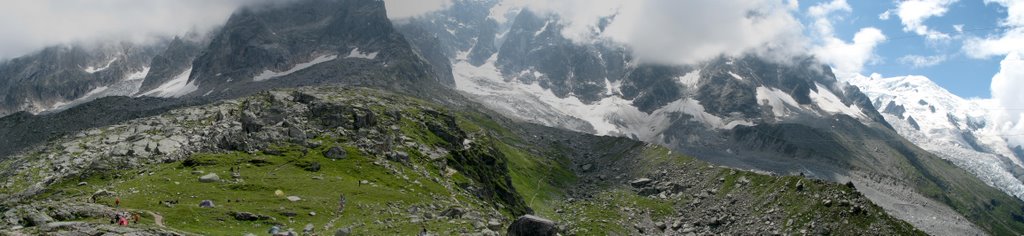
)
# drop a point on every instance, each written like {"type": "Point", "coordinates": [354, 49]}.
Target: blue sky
{"type": "Point", "coordinates": [960, 74]}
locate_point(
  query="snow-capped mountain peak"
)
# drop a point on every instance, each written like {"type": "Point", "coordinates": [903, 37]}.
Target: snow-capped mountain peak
{"type": "Point", "coordinates": [957, 129]}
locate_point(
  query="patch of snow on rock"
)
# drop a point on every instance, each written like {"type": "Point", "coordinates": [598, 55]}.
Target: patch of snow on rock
{"type": "Point", "coordinates": [829, 102]}
{"type": "Point", "coordinates": [268, 74]}
{"type": "Point", "coordinates": [92, 70]}
{"type": "Point", "coordinates": [734, 75]}
{"type": "Point", "coordinates": [177, 87]}
{"type": "Point", "coordinates": [777, 99]}
{"type": "Point", "coordinates": [690, 79]}
{"type": "Point", "coordinates": [355, 53]}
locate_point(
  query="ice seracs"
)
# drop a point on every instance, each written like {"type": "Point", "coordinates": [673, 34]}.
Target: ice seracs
{"type": "Point", "coordinates": [611, 115]}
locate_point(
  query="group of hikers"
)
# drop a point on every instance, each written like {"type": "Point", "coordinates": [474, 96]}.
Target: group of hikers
{"type": "Point", "coordinates": [123, 217]}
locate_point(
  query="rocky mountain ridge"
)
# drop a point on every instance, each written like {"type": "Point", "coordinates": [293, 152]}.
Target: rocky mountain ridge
{"type": "Point", "coordinates": [749, 112]}
{"type": "Point", "coordinates": [60, 77]}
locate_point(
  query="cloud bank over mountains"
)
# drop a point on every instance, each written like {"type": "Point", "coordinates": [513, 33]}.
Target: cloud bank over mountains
{"type": "Point", "coordinates": [28, 26]}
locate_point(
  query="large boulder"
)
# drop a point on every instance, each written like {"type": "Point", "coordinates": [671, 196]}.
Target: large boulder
{"type": "Point", "coordinates": [336, 153]}
{"type": "Point", "coordinates": [250, 122]}
{"type": "Point", "coordinates": [532, 225]}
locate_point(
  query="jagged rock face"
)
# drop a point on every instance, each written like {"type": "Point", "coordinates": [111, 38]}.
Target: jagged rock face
{"type": "Point", "coordinates": [535, 44]}
{"type": "Point", "coordinates": [264, 43]}
{"type": "Point", "coordinates": [57, 75]}
{"type": "Point", "coordinates": [429, 47]}
{"type": "Point", "coordinates": [460, 28]}
{"type": "Point", "coordinates": [171, 62]}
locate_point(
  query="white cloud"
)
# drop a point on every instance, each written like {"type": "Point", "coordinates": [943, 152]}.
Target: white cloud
{"type": "Point", "coordinates": [918, 61]}
{"type": "Point", "coordinates": [824, 9]}
{"type": "Point", "coordinates": [401, 9]}
{"type": "Point", "coordinates": [793, 4]}
{"type": "Point", "coordinates": [27, 26]}
{"type": "Point", "coordinates": [821, 12]}
{"type": "Point", "coordinates": [1012, 40]}
{"type": "Point", "coordinates": [847, 58]}
{"type": "Point", "coordinates": [1015, 11]}
{"type": "Point", "coordinates": [913, 14]}
{"type": "Point", "coordinates": [681, 32]}
{"type": "Point", "coordinates": [1006, 87]}
{"type": "Point", "coordinates": [1007, 83]}
{"type": "Point", "coordinates": [885, 15]}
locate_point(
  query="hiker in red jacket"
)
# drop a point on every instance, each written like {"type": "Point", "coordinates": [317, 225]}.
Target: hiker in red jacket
{"type": "Point", "coordinates": [122, 220]}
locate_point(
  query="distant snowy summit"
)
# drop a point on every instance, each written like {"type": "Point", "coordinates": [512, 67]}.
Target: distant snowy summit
{"type": "Point", "coordinates": [963, 131]}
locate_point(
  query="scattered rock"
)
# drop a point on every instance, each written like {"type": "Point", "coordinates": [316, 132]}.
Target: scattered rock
{"type": "Point", "coordinates": [488, 232]}
{"type": "Point", "coordinates": [453, 213]}
{"type": "Point", "coordinates": [248, 216]}
{"type": "Point", "coordinates": [532, 225]}
{"type": "Point", "coordinates": [312, 167]}
{"type": "Point", "coordinates": [494, 224]}
{"type": "Point", "coordinates": [336, 153]}
{"type": "Point", "coordinates": [273, 152]}
{"type": "Point", "coordinates": [296, 134]}
{"type": "Point", "coordinates": [303, 98]}
{"type": "Point", "coordinates": [640, 183]}
{"type": "Point", "coordinates": [250, 122]}
{"type": "Point", "coordinates": [293, 198]}
{"type": "Point", "coordinates": [38, 218]}
{"type": "Point", "coordinates": [209, 178]}
{"type": "Point", "coordinates": [398, 156]}
{"type": "Point", "coordinates": [587, 167]}
{"type": "Point", "coordinates": [83, 183]}
{"type": "Point", "coordinates": [364, 121]}
{"type": "Point", "coordinates": [206, 204]}
{"type": "Point", "coordinates": [308, 230]}
{"type": "Point", "coordinates": [343, 232]}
